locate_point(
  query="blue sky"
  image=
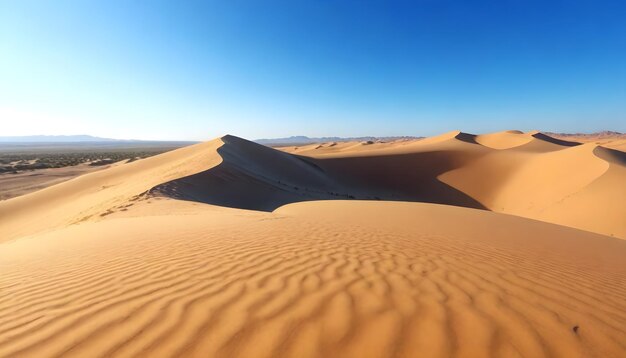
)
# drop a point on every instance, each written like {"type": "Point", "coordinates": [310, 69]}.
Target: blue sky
{"type": "Point", "coordinates": [197, 70]}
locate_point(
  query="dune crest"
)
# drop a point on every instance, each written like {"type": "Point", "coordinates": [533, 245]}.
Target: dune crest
{"type": "Point", "coordinates": [503, 140]}
{"type": "Point", "coordinates": [95, 195]}
{"type": "Point", "coordinates": [541, 179]}
{"type": "Point", "coordinates": [343, 252]}
{"type": "Point", "coordinates": [530, 175]}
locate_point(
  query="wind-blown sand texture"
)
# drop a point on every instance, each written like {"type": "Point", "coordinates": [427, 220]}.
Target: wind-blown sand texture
{"type": "Point", "coordinates": [231, 249]}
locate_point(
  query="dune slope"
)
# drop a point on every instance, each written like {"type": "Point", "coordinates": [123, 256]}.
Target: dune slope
{"type": "Point", "coordinates": [526, 174]}
{"type": "Point", "coordinates": [327, 279]}
{"type": "Point", "coordinates": [255, 177]}
{"type": "Point", "coordinates": [95, 195]}
{"type": "Point", "coordinates": [578, 186]}
{"type": "Point", "coordinates": [131, 261]}
{"type": "Point", "coordinates": [532, 176]}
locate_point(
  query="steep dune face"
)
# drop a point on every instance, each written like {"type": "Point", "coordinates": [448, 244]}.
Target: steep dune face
{"type": "Point", "coordinates": [525, 174]}
{"type": "Point", "coordinates": [260, 178]}
{"type": "Point", "coordinates": [315, 279]}
{"type": "Point", "coordinates": [96, 195]}
{"type": "Point", "coordinates": [543, 180]}
{"type": "Point", "coordinates": [547, 138]}
{"type": "Point", "coordinates": [252, 176]}
{"type": "Point", "coordinates": [601, 205]}
{"type": "Point", "coordinates": [577, 186]}
{"type": "Point", "coordinates": [533, 141]}
{"type": "Point", "coordinates": [552, 180]}
{"type": "Point", "coordinates": [409, 173]}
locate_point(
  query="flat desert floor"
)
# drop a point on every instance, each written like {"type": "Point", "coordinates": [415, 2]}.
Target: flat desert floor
{"type": "Point", "coordinates": [13, 185]}
{"type": "Point", "coordinates": [508, 244]}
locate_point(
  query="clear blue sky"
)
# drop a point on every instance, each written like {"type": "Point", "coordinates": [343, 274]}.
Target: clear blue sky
{"type": "Point", "coordinates": [196, 70]}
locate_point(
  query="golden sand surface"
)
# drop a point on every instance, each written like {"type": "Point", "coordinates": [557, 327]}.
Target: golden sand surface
{"type": "Point", "coordinates": [508, 244]}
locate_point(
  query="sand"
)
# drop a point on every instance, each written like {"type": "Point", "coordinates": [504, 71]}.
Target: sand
{"type": "Point", "coordinates": [14, 185]}
{"type": "Point", "coordinates": [230, 249]}
{"type": "Point", "coordinates": [612, 140]}
{"type": "Point", "coordinates": [526, 174]}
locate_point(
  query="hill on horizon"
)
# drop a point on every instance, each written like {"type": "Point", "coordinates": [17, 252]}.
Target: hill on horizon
{"type": "Point", "coordinates": [301, 139]}
{"type": "Point", "coordinates": [58, 138]}
{"type": "Point", "coordinates": [294, 140]}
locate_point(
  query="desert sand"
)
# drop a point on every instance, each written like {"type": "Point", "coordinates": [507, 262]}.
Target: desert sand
{"type": "Point", "coordinates": [14, 185]}
{"type": "Point", "coordinates": [609, 139]}
{"type": "Point", "coordinates": [525, 174]}
{"type": "Point", "coordinates": [504, 244]}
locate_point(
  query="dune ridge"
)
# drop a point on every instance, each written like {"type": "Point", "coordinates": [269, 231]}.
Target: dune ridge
{"type": "Point", "coordinates": [94, 195]}
{"type": "Point", "coordinates": [539, 178]}
{"type": "Point", "coordinates": [525, 174]}
{"type": "Point", "coordinates": [416, 248]}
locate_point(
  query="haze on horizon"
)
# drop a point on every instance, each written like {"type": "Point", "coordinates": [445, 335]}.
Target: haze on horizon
{"type": "Point", "coordinates": [193, 71]}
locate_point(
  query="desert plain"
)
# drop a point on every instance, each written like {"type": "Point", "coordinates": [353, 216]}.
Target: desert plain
{"type": "Point", "coordinates": [506, 244]}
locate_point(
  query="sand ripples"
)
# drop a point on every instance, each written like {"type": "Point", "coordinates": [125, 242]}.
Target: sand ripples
{"type": "Point", "coordinates": [325, 290]}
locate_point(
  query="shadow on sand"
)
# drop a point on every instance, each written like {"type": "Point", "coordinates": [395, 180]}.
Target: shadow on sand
{"type": "Point", "coordinates": [255, 177]}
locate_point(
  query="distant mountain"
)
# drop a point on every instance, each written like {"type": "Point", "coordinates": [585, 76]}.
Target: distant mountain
{"type": "Point", "coordinates": [56, 143]}
{"type": "Point", "coordinates": [300, 140]}
{"type": "Point", "coordinates": [599, 135]}
{"type": "Point", "coordinates": [54, 139]}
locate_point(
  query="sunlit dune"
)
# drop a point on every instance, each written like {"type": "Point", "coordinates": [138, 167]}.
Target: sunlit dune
{"type": "Point", "coordinates": [502, 244]}
{"type": "Point", "coordinates": [525, 174]}
{"type": "Point", "coordinates": [607, 139]}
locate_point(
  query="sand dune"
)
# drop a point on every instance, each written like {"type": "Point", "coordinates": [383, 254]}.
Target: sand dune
{"type": "Point", "coordinates": [503, 140]}
{"type": "Point", "coordinates": [535, 176]}
{"type": "Point", "coordinates": [95, 195]}
{"type": "Point", "coordinates": [618, 145]}
{"type": "Point", "coordinates": [526, 174]}
{"type": "Point", "coordinates": [607, 139]}
{"type": "Point", "coordinates": [344, 279]}
{"type": "Point", "coordinates": [232, 249]}
{"type": "Point", "coordinates": [578, 186]}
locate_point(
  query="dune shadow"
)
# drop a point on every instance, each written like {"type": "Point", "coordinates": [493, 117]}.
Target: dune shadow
{"type": "Point", "coordinates": [225, 185]}
{"type": "Point", "coordinates": [467, 138]}
{"type": "Point", "coordinates": [402, 177]}
{"type": "Point", "coordinates": [243, 181]}
{"type": "Point", "coordinates": [553, 140]}
{"type": "Point", "coordinates": [610, 155]}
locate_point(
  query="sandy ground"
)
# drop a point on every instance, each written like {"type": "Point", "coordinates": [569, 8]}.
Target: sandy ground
{"type": "Point", "coordinates": [230, 249]}
{"type": "Point", "coordinates": [606, 139]}
{"type": "Point", "coordinates": [12, 185]}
